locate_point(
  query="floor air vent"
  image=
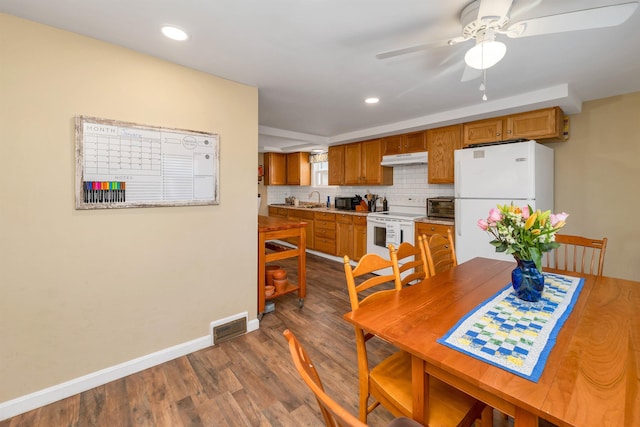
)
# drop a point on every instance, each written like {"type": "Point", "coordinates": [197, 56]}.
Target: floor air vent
{"type": "Point", "coordinates": [229, 330]}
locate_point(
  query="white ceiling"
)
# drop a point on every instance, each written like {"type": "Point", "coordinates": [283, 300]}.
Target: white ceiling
{"type": "Point", "coordinates": [314, 60]}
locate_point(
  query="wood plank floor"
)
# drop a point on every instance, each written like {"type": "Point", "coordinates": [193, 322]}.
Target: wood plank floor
{"type": "Point", "coordinates": [247, 381]}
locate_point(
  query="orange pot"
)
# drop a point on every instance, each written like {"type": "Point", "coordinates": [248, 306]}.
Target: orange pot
{"type": "Point", "coordinates": [279, 274]}
{"type": "Point", "coordinates": [268, 273]}
{"type": "Point", "coordinates": [280, 284]}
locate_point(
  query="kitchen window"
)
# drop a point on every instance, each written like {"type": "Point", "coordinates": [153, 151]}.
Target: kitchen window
{"type": "Point", "coordinates": [319, 169]}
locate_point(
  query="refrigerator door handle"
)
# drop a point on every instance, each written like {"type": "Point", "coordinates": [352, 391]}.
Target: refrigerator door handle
{"type": "Point", "coordinates": [458, 220]}
{"type": "Point", "coordinates": [457, 183]}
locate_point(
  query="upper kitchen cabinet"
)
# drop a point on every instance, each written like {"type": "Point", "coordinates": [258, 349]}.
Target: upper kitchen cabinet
{"type": "Point", "coordinates": [336, 165]}
{"type": "Point", "coordinates": [275, 169]}
{"type": "Point", "coordinates": [406, 143]}
{"type": "Point", "coordinates": [442, 142]}
{"type": "Point", "coordinates": [543, 124]}
{"type": "Point", "coordinates": [287, 169]}
{"type": "Point", "coordinates": [362, 164]}
{"type": "Point", "coordinates": [298, 169]}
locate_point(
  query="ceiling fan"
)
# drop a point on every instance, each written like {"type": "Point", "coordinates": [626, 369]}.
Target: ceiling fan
{"type": "Point", "coordinates": [482, 20]}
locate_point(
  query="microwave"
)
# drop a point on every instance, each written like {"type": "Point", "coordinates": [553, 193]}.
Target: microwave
{"type": "Point", "coordinates": [441, 207]}
{"type": "Point", "coordinates": [346, 203]}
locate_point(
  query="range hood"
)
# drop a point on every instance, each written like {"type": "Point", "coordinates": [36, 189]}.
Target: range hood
{"type": "Point", "coordinates": [405, 159]}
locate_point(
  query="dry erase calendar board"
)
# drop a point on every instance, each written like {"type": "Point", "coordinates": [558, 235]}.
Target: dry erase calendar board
{"type": "Point", "coordinates": [126, 165]}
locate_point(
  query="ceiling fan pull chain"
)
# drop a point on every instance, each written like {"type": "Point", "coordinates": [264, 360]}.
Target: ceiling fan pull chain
{"type": "Point", "coordinates": [483, 85]}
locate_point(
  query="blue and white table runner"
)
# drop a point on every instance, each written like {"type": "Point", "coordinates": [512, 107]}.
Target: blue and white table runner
{"type": "Point", "coordinates": [516, 335]}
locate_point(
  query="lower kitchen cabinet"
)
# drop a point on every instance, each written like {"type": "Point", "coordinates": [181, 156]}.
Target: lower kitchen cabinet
{"type": "Point", "coordinates": [325, 232]}
{"type": "Point", "coordinates": [344, 240]}
{"type": "Point", "coordinates": [352, 236]}
{"type": "Point", "coordinates": [278, 212]}
{"type": "Point", "coordinates": [359, 237]}
{"type": "Point", "coordinates": [308, 217]}
{"type": "Point", "coordinates": [429, 229]}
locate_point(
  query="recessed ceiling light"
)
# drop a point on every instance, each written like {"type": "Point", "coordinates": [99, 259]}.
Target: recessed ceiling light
{"type": "Point", "coordinates": [372, 100]}
{"type": "Point", "coordinates": [174, 33]}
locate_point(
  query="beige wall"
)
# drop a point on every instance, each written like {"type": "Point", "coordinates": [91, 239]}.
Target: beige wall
{"type": "Point", "coordinates": [86, 290]}
{"type": "Point", "coordinates": [597, 178]}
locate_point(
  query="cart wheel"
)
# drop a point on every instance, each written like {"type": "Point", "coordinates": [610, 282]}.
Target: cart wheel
{"type": "Point", "coordinates": [301, 302]}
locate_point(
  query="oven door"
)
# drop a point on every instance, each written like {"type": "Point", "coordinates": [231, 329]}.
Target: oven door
{"type": "Point", "coordinates": [377, 235]}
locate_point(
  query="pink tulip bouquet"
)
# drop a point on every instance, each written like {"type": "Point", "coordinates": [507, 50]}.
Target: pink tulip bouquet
{"type": "Point", "coordinates": [523, 233]}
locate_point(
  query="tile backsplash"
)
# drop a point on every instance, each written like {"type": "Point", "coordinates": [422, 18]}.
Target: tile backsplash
{"type": "Point", "coordinates": [410, 188]}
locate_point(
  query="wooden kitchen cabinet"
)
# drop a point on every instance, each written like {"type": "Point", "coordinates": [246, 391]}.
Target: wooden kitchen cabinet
{"type": "Point", "coordinates": [308, 217]}
{"type": "Point", "coordinates": [344, 238]}
{"type": "Point", "coordinates": [546, 124]}
{"type": "Point", "coordinates": [413, 142]}
{"type": "Point", "coordinates": [278, 212]}
{"type": "Point", "coordinates": [275, 169]}
{"type": "Point", "coordinates": [336, 165]}
{"type": "Point", "coordinates": [441, 143]}
{"type": "Point", "coordinates": [429, 229]}
{"type": "Point", "coordinates": [362, 164]}
{"type": "Point", "coordinates": [351, 237]}
{"type": "Point", "coordinates": [298, 169]}
{"type": "Point", "coordinates": [325, 232]}
{"type": "Point", "coordinates": [359, 237]}
{"type": "Point", "coordinates": [287, 169]}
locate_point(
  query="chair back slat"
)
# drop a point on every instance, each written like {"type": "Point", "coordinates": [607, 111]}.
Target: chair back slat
{"type": "Point", "coordinates": [577, 254]}
{"type": "Point", "coordinates": [440, 251]}
{"type": "Point", "coordinates": [412, 263]}
{"type": "Point", "coordinates": [362, 277]}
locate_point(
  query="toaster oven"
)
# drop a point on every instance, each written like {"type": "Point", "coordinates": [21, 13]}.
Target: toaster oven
{"type": "Point", "coordinates": [441, 207]}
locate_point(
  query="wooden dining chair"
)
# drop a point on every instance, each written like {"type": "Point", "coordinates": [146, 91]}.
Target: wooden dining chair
{"type": "Point", "coordinates": [389, 382]}
{"type": "Point", "coordinates": [440, 250]}
{"type": "Point", "coordinates": [333, 413]}
{"type": "Point", "coordinates": [577, 254]}
{"type": "Point", "coordinates": [412, 262]}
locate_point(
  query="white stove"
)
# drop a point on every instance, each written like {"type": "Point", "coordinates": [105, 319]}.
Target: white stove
{"type": "Point", "coordinates": [392, 227]}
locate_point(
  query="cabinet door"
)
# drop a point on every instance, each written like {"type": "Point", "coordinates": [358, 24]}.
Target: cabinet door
{"type": "Point", "coordinates": [344, 239]}
{"type": "Point", "coordinates": [298, 169]}
{"type": "Point", "coordinates": [415, 142]}
{"type": "Point", "coordinates": [393, 144]}
{"type": "Point", "coordinates": [275, 169]}
{"type": "Point", "coordinates": [336, 165]}
{"type": "Point", "coordinates": [546, 123]}
{"type": "Point", "coordinates": [359, 237]}
{"type": "Point", "coordinates": [481, 131]}
{"type": "Point", "coordinates": [442, 142]}
{"type": "Point", "coordinates": [373, 173]}
{"type": "Point", "coordinates": [353, 164]}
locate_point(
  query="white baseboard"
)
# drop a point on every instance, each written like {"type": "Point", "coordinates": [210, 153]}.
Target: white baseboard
{"type": "Point", "coordinates": [31, 401]}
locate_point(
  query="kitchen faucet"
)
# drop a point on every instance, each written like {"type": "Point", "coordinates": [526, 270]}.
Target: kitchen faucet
{"type": "Point", "coordinates": [315, 191]}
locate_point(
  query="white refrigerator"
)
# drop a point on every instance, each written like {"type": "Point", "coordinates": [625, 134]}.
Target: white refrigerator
{"type": "Point", "coordinates": [520, 172]}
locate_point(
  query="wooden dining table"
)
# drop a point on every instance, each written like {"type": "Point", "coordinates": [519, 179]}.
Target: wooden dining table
{"type": "Point", "coordinates": [591, 376]}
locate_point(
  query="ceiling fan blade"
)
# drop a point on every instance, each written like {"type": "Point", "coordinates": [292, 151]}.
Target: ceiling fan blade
{"type": "Point", "coordinates": [599, 17]}
{"type": "Point", "coordinates": [494, 9]}
{"type": "Point", "coordinates": [404, 51]}
{"type": "Point", "coordinates": [470, 73]}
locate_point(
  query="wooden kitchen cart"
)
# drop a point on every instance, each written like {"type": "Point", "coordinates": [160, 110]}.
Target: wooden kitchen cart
{"type": "Point", "coordinates": [273, 228]}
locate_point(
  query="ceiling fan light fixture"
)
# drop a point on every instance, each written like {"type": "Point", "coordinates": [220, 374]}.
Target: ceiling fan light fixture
{"type": "Point", "coordinates": [485, 54]}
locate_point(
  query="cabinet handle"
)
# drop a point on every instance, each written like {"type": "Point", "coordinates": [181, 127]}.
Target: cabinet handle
{"type": "Point", "coordinates": [498, 134]}
{"type": "Point", "coordinates": [509, 131]}
{"type": "Point", "coordinates": [433, 229]}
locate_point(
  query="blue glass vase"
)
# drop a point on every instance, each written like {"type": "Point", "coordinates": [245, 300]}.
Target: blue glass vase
{"type": "Point", "coordinates": [527, 281]}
